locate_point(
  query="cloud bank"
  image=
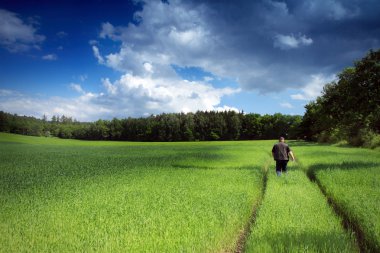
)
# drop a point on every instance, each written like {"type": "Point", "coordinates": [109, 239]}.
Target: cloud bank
{"type": "Point", "coordinates": [267, 46]}
{"type": "Point", "coordinates": [129, 96]}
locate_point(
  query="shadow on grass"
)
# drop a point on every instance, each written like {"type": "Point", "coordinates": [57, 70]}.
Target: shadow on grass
{"type": "Point", "coordinates": [306, 143]}
{"type": "Point", "coordinates": [202, 167]}
{"type": "Point", "coordinates": [313, 169]}
{"type": "Point", "coordinates": [26, 167]}
{"type": "Point", "coordinates": [193, 166]}
{"type": "Point", "coordinates": [313, 241]}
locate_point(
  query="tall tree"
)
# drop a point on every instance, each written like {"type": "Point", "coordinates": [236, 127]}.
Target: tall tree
{"type": "Point", "coordinates": [349, 107]}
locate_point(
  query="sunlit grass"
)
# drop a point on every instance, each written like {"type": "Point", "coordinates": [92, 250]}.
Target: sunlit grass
{"type": "Point", "coordinates": [350, 177]}
{"type": "Point", "coordinates": [69, 195]}
{"type": "Point", "coordinates": [295, 217]}
{"type": "Point", "coordinates": [127, 197]}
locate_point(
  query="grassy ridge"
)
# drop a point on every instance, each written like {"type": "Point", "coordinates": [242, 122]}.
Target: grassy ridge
{"type": "Point", "coordinates": [295, 217]}
{"type": "Point", "coordinates": [136, 197]}
{"type": "Point", "coordinates": [350, 177]}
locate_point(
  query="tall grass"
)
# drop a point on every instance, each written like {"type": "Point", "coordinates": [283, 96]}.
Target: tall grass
{"type": "Point", "coordinates": [68, 195]}
{"type": "Point", "coordinates": [350, 178]}
{"type": "Point", "coordinates": [295, 217]}
{"type": "Point", "coordinates": [125, 197]}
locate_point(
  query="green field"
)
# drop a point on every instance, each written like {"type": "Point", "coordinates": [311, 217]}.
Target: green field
{"type": "Point", "coordinates": [69, 196]}
{"type": "Point", "coordinates": [350, 178]}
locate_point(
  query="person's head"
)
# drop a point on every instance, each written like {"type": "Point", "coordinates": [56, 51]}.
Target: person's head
{"type": "Point", "coordinates": [281, 139]}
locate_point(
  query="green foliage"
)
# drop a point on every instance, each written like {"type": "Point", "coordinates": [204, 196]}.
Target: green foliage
{"type": "Point", "coordinates": [369, 138]}
{"type": "Point", "coordinates": [227, 125]}
{"type": "Point", "coordinates": [348, 106]}
{"type": "Point", "coordinates": [214, 136]}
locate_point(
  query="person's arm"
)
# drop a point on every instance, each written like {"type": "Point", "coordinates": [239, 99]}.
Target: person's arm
{"type": "Point", "coordinates": [292, 156]}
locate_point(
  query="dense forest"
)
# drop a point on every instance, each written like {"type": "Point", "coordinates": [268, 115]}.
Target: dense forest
{"type": "Point", "coordinates": [349, 108]}
{"type": "Point", "coordinates": [209, 125]}
{"type": "Point", "coordinates": [347, 111]}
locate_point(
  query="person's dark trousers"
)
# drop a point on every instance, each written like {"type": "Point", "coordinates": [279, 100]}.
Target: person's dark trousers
{"type": "Point", "coordinates": [281, 166]}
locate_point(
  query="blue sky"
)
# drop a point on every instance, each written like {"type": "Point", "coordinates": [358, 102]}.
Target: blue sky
{"type": "Point", "coordinates": [105, 59]}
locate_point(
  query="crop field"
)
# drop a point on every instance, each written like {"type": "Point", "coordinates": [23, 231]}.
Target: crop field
{"type": "Point", "coordinates": [350, 178]}
{"type": "Point", "coordinates": [295, 217]}
{"type": "Point", "coordinates": [59, 195]}
{"type": "Point", "coordinates": [69, 196]}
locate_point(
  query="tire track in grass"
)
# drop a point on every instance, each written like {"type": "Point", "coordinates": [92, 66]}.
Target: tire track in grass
{"type": "Point", "coordinates": [295, 217]}
{"type": "Point", "coordinates": [240, 245]}
{"type": "Point", "coordinates": [350, 225]}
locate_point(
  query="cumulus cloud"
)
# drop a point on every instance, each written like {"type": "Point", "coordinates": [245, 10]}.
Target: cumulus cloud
{"type": "Point", "coordinates": [81, 108]}
{"type": "Point", "coordinates": [233, 40]}
{"type": "Point", "coordinates": [111, 89]}
{"type": "Point", "coordinates": [128, 96]}
{"type": "Point", "coordinates": [226, 40]}
{"type": "Point", "coordinates": [50, 57]}
{"type": "Point", "coordinates": [156, 95]}
{"type": "Point", "coordinates": [291, 41]}
{"type": "Point", "coordinates": [17, 36]}
{"type": "Point", "coordinates": [314, 87]}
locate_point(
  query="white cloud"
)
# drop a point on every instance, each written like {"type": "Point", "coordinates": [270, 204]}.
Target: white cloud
{"type": "Point", "coordinates": [165, 94]}
{"type": "Point", "coordinates": [108, 30]}
{"type": "Point", "coordinates": [96, 52]}
{"type": "Point", "coordinates": [129, 96]}
{"type": "Point", "coordinates": [111, 89]}
{"type": "Point", "coordinates": [226, 108]}
{"type": "Point", "coordinates": [208, 78]}
{"type": "Point", "coordinates": [290, 41]}
{"type": "Point", "coordinates": [148, 67]}
{"type": "Point", "coordinates": [50, 57]}
{"type": "Point", "coordinates": [77, 88]}
{"type": "Point", "coordinates": [189, 38]}
{"type": "Point", "coordinates": [286, 105]}
{"type": "Point", "coordinates": [314, 88]}
{"type": "Point", "coordinates": [17, 36]}
{"type": "Point", "coordinates": [169, 34]}
{"type": "Point", "coordinates": [81, 108]}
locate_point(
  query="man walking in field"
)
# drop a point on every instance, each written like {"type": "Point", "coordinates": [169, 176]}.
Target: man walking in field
{"type": "Point", "coordinates": [281, 153]}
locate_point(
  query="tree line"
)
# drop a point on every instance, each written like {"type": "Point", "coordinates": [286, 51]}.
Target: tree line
{"type": "Point", "coordinates": [199, 126]}
{"type": "Point", "coordinates": [349, 108]}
